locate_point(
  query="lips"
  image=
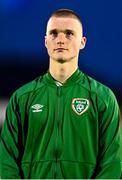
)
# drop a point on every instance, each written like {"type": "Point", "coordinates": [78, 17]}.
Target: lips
{"type": "Point", "coordinates": [60, 49]}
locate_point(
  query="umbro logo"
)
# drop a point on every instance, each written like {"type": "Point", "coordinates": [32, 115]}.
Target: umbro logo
{"type": "Point", "coordinates": [37, 108]}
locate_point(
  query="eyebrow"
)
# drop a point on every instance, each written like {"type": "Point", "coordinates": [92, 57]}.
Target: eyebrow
{"type": "Point", "coordinates": [58, 30]}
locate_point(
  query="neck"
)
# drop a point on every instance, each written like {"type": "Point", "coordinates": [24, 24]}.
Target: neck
{"type": "Point", "coordinates": [61, 72]}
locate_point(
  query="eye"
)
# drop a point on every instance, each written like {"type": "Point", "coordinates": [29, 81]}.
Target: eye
{"type": "Point", "coordinates": [69, 33]}
{"type": "Point", "coordinates": [54, 33]}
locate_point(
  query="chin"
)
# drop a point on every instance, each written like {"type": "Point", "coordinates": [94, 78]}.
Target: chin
{"type": "Point", "coordinates": [61, 60]}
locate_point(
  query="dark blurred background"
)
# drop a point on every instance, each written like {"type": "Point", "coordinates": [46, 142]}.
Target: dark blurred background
{"type": "Point", "coordinates": [23, 55]}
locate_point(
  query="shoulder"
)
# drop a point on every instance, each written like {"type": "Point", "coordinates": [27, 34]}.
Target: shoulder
{"type": "Point", "coordinates": [27, 89]}
{"type": "Point", "coordinates": [102, 92]}
{"type": "Point", "coordinates": [30, 86]}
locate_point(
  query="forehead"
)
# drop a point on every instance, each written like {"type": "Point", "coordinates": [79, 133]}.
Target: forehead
{"type": "Point", "coordinates": [64, 23]}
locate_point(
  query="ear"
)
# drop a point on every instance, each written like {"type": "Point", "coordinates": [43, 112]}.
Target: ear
{"type": "Point", "coordinates": [83, 42]}
{"type": "Point", "coordinates": [45, 41]}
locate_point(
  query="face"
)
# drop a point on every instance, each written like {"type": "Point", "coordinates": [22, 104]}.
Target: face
{"type": "Point", "coordinates": [64, 38]}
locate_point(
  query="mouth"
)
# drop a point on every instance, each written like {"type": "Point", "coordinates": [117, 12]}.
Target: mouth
{"type": "Point", "coordinates": [60, 49]}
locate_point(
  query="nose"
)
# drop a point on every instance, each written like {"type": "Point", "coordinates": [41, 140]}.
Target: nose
{"type": "Point", "coordinates": [61, 38]}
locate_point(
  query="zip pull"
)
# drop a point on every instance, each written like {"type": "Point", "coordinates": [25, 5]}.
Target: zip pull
{"type": "Point", "coordinates": [59, 85]}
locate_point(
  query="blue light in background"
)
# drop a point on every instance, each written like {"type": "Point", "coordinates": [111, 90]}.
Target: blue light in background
{"type": "Point", "coordinates": [22, 34]}
{"type": "Point", "coordinates": [10, 6]}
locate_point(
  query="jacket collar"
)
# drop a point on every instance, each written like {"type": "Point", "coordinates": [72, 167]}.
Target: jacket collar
{"type": "Point", "coordinates": [76, 77]}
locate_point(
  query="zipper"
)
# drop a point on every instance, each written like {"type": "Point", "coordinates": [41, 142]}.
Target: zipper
{"type": "Point", "coordinates": [57, 129]}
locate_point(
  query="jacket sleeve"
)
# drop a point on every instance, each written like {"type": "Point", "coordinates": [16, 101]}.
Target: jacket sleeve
{"type": "Point", "coordinates": [108, 163]}
{"type": "Point", "coordinates": [9, 143]}
{"type": "Point", "coordinates": [121, 149]}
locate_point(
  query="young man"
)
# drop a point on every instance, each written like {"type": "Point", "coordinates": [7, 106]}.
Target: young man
{"type": "Point", "coordinates": [63, 124]}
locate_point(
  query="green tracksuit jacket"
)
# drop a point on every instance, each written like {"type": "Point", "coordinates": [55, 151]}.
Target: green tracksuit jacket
{"type": "Point", "coordinates": [61, 131]}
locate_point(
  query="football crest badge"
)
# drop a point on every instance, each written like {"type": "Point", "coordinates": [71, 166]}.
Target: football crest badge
{"type": "Point", "coordinates": [80, 105]}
